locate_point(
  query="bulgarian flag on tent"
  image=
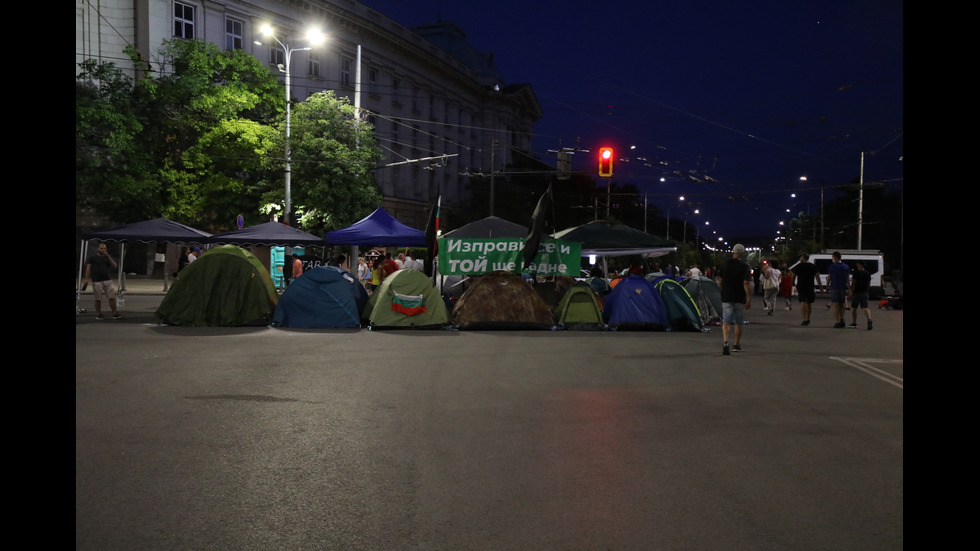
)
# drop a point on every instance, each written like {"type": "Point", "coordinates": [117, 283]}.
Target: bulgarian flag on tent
{"type": "Point", "coordinates": [410, 305]}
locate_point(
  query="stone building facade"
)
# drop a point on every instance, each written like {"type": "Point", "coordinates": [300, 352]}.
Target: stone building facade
{"type": "Point", "coordinates": [442, 112]}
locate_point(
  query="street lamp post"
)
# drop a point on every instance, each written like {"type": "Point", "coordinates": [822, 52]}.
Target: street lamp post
{"type": "Point", "coordinates": [681, 200]}
{"type": "Point", "coordinates": [314, 37]}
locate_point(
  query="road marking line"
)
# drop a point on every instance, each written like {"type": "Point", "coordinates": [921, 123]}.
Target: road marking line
{"type": "Point", "coordinates": [862, 364]}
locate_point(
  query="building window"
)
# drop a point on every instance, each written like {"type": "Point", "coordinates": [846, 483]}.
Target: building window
{"type": "Point", "coordinates": [277, 56]}
{"type": "Point", "coordinates": [234, 34]}
{"type": "Point", "coordinates": [395, 86]}
{"type": "Point", "coordinates": [313, 63]}
{"type": "Point", "coordinates": [373, 81]}
{"type": "Point", "coordinates": [345, 68]}
{"type": "Point", "coordinates": [183, 20]}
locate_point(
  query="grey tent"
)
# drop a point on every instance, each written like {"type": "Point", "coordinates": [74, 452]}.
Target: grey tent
{"type": "Point", "coordinates": [605, 239]}
{"type": "Point", "coordinates": [491, 227]}
{"type": "Point", "coordinates": [707, 296]}
{"type": "Point", "coordinates": [271, 234]}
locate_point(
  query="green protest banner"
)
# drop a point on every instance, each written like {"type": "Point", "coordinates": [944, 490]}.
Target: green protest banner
{"type": "Point", "coordinates": [469, 257]}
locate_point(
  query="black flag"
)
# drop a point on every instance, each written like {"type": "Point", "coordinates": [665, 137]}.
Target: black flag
{"type": "Point", "coordinates": [536, 228]}
{"type": "Point", "coordinates": [432, 235]}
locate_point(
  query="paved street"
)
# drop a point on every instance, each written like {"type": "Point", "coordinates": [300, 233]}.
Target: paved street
{"type": "Point", "coordinates": [258, 438]}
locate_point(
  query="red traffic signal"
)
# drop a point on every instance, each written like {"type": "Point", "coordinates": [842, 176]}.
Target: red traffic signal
{"type": "Point", "coordinates": [605, 162]}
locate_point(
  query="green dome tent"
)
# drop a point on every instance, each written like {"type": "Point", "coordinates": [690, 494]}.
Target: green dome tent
{"type": "Point", "coordinates": [579, 309]}
{"type": "Point", "coordinates": [406, 299]}
{"type": "Point", "coordinates": [226, 287]}
{"type": "Point", "coordinates": [682, 311]}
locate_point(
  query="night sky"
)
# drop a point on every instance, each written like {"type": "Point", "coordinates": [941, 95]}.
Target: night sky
{"type": "Point", "coordinates": [730, 102]}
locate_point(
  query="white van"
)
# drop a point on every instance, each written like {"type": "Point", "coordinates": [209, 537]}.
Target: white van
{"type": "Point", "coordinates": [874, 264]}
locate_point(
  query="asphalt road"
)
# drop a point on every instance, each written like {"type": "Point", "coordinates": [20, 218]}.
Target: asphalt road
{"type": "Point", "coordinates": [266, 439]}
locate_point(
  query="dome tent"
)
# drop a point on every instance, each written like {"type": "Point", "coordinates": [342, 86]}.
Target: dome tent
{"type": "Point", "coordinates": [324, 297]}
{"type": "Point", "coordinates": [579, 309]}
{"type": "Point", "coordinates": [682, 311]}
{"type": "Point", "coordinates": [226, 287]}
{"type": "Point", "coordinates": [635, 304]}
{"type": "Point", "coordinates": [501, 300]}
{"type": "Point", "coordinates": [406, 299]}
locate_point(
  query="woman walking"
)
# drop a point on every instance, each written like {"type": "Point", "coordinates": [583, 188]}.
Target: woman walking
{"type": "Point", "coordinates": [770, 286]}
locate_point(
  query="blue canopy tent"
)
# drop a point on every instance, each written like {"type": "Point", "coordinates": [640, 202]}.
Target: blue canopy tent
{"type": "Point", "coordinates": [378, 228]}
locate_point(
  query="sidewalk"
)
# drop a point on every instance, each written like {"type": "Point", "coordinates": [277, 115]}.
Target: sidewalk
{"type": "Point", "coordinates": [139, 285]}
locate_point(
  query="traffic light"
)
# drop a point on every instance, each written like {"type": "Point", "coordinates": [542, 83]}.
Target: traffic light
{"type": "Point", "coordinates": [605, 162]}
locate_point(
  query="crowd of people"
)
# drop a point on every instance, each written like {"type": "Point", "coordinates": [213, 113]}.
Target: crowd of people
{"type": "Point", "coordinates": [848, 291]}
{"type": "Point", "coordinates": [371, 270]}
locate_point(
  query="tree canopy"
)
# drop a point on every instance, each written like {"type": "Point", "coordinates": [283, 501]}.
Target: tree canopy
{"type": "Point", "coordinates": [333, 154]}
{"type": "Point", "coordinates": [199, 139]}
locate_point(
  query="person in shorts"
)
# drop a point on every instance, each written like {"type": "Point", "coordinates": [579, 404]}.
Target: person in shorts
{"type": "Point", "coordinates": [838, 281]}
{"type": "Point", "coordinates": [736, 277]}
{"type": "Point", "coordinates": [860, 288]}
{"type": "Point", "coordinates": [98, 270]}
{"type": "Point", "coordinates": [806, 277]}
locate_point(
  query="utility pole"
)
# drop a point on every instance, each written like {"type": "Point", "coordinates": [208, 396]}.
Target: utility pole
{"type": "Point", "coordinates": [493, 150]}
{"type": "Point", "coordinates": [861, 201]}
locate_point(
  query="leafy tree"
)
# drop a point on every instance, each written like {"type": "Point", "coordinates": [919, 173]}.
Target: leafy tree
{"type": "Point", "coordinates": [110, 165]}
{"type": "Point", "coordinates": [199, 139]}
{"type": "Point", "coordinates": [333, 154]}
{"type": "Point", "coordinates": [224, 174]}
{"type": "Point", "coordinates": [207, 113]}
{"type": "Point", "coordinates": [189, 140]}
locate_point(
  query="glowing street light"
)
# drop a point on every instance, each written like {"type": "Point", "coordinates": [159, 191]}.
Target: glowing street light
{"type": "Point", "coordinates": [314, 38]}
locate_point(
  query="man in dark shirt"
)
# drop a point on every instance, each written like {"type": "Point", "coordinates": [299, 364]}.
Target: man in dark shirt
{"type": "Point", "coordinates": [805, 274]}
{"type": "Point", "coordinates": [838, 282]}
{"type": "Point", "coordinates": [98, 270]}
{"type": "Point", "coordinates": [860, 287]}
{"type": "Point", "coordinates": [736, 297]}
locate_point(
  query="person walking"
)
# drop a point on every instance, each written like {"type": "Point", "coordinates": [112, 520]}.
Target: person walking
{"type": "Point", "coordinates": [838, 279]}
{"type": "Point", "coordinates": [860, 288]}
{"type": "Point", "coordinates": [297, 268]}
{"type": "Point", "coordinates": [786, 289]}
{"type": "Point", "coordinates": [364, 273]}
{"type": "Point", "coordinates": [736, 278]}
{"type": "Point", "coordinates": [377, 273]}
{"type": "Point", "coordinates": [98, 270]}
{"type": "Point", "coordinates": [805, 275]}
{"type": "Point", "coordinates": [183, 261]}
{"type": "Point", "coordinates": [389, 265]}
{"type": "Point", "coordinates": [770, 286]}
